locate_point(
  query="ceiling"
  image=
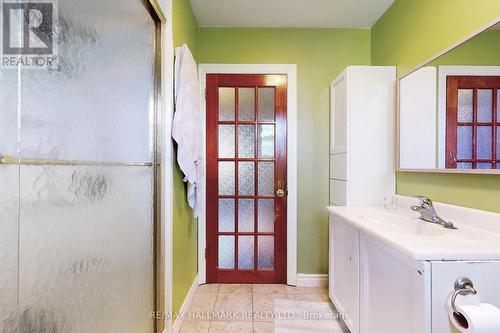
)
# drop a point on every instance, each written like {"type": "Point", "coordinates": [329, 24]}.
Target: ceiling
{"type": "Point", "coordinates": [289, 13]}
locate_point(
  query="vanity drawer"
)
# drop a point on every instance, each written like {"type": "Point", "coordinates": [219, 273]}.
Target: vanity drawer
{"type": "Point", "coordinates": [338, 192]}
{"type": "Point", "coordinates": [338, 166]}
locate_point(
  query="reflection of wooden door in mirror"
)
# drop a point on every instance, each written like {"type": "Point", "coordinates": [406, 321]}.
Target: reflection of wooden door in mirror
{"type": "Point", "coordinates": [473, 122]}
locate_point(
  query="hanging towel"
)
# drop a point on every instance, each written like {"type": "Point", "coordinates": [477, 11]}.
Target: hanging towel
{"type": "Point", "coordinates": [187, 128]}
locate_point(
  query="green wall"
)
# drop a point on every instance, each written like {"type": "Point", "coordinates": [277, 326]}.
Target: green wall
{"type": "Point", "coordinates": [482, 50]}
{"type": "Point", "coordinates": [185, 230]}
{"type": "Point", "coordinates": [406, 35]}
{"type": "Point", "coordinates": [320, 55]}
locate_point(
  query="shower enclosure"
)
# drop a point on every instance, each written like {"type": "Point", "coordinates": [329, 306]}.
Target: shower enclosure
{"type": "Point", "coordinates": [78, 160]}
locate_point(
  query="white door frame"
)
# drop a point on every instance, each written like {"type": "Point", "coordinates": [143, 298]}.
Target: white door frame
{"type": "Point", "coordinates": [291, 71]}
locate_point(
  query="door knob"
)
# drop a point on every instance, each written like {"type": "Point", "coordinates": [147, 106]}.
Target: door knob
{"type": "Point", "coordinates": [280, 193]}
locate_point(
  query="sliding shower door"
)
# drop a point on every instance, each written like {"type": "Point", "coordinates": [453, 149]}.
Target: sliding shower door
{"type": "Point", "coordinates": [77, 178]}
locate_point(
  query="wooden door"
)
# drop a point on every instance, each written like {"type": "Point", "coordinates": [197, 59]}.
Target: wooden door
{"type": "Point", "coordinates": [246, 178]}
{"type": "Point", "coordinates": [473, 122]}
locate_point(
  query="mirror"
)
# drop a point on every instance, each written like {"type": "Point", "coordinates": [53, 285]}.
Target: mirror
{"type": "Point", "coordinates": [449, 110]}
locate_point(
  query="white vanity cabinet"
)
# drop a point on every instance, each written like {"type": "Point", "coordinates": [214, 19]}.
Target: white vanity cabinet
{"type": "Point", "coordinates": [484, 274]}
{"type": "Point", "coordinates": [391, 272]}
{"type": "Point", "coordinates": [380, 290]}
{"type": "Point", "coordinates": [362, 109]}
{"type": "Point", "coordinates": [394, 290]}
{"type": "Point", "coordinates": [344, 271]}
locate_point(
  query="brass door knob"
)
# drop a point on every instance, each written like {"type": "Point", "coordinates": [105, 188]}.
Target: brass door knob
{"type": "Point", "coordinates": [280, 193]}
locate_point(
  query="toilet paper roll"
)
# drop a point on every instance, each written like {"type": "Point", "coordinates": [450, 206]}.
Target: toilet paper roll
{"type": "Point", "coordinates": [474, 317]}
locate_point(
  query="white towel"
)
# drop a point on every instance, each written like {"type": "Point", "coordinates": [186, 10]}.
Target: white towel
{"type": "Point", "coordinates": [187, 128]}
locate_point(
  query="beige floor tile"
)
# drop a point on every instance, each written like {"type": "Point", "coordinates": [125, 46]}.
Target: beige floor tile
{"type": "Point", "coordinates": [269, 289]}
{"type": "Point", "coordinates": [301, 290]}
{"type": "Point", "coordinates": [263, 306]}
{"type": "Point", "coordinates": [195, 327]}
{"type": "Point", "coordinates": [236, 288]}
{"type": "Point", "coordinates": [326, 297]}
{"type": "Point", "coordinates": [323, 290]}
{"type": "Point", "coordinates": [306, 297]}
{"type": "Point", "coordinates": [233, 307]}
{"type": "Point", "coordinates": [208, 288]}
{"type": "Point", "coordinates": [230, 327]}
{"type": "Point", "coordinates": [201, 307]}
{"type": "Point", "coordinates": [263, 327]}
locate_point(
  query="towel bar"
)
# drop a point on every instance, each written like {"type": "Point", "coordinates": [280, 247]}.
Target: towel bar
{"type": "Point", "coordinates": [6, 159]}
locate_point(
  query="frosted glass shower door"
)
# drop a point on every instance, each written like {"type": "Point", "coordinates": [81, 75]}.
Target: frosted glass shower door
{"type": "Point", "coordinates": [78, 208]}
{"type": "Point", "coordinates": [9, 198]}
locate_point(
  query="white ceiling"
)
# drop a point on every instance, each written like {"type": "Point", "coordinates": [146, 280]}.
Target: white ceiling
{"type": "Point", "coordinates": [289, 13]}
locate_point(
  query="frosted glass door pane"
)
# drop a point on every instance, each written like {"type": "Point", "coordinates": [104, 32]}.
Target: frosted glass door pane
{"type": "Point", "coordinates": [266, 215]}
{"type": "Point", "coordinates": [246, 178]}
{"type": "Point", "coordinates": [226, 178]}
{"type": "Point", "coordinates": [266, 104]}
{"type": "Point", "coordinates": [246, 141]}
{"type": "Point", "coordinates": [265, 142]}
{"type": "Point", "coordinates": [498, 105]}
{"type": "Point", "coordinates": [266, 178]}
{"type": "Point", "coordinates": [484, 105]}
{"type": "Point", "coordinates": [86, 253]}
{"type": "Point", "coordinates": [9, 200]}
{"type": "Point", "coordinates": [266, 252]}
{"type": "Point", "coordinates": [226, 252]}
{"type": "Point", "coordinates": [246, 215]}
{"type": "Point", "coordinates": [465, 111]}
{"type": "Point", "coordinates": [245, 252]}
{"type": "Point", "coordinates": [464, 142]}
{"type": "Point", "coordinates": [226, 215]}
{"type": "Point", "coordinates": [464, 165]}
{"type": "Point", "coordinates": [95, 105]}
{"type": "Point", "coordinates": [226, 104]}
{"type": "Point", "coordinates": [498, 142]}
{"type": "Point", "coordinates": [484, 142]}
{"type": "Point", "coordinates": [246, 104]}
{"type": "Point", "coordinates": [484, 165]}
{"type": "Point", "coordinates": [226, 141]}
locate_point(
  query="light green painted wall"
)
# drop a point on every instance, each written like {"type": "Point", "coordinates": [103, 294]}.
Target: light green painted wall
{"type": "Point", "coordinates": [406, 35]}
{"type": "Point", "coordinates": [185, 234]}
{"type": "Point", "coordinates": [320, 55]}
{"type": "Point", "coordinates": [482, 50]}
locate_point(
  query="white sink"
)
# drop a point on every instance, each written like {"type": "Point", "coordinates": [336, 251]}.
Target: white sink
{"type": "Point", "coordinates": [399, 223]}
{"type": "Point", "coordinates": [477, 236]}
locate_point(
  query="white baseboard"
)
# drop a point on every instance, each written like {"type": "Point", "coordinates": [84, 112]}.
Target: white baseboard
{"type": "Point", "coordinates": [185, 306]}
{"type": "Point", "coordinates": [312, 280]}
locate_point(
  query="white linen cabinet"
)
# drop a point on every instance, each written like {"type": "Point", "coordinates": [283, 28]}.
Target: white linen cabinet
{"type": "Point", "coordinates": [362, 110]}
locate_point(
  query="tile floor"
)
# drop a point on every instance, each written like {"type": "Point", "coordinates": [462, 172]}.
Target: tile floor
{"type": "Point", "coordinates": [242, 307]}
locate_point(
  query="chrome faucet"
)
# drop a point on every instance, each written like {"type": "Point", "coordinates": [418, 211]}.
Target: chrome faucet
{"type": "Point", "coordinates": [428, 213]}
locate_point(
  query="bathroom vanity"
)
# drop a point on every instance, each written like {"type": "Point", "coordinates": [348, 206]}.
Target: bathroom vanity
{"type": "Point", "coordinates": [392, 272]}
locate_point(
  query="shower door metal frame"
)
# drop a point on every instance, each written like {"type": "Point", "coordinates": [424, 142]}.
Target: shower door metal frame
{"type": "Point", "coordinates": [158, 250]}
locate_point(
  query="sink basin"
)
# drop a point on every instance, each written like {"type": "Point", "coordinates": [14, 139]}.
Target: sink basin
{"type": "Point", "coordinates": [403, 224]}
